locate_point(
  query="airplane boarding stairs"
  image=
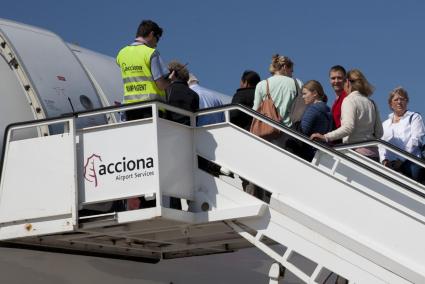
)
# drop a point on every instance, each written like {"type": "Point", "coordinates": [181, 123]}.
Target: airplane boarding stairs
{"type": "Point", "coordinates": [341, 213]}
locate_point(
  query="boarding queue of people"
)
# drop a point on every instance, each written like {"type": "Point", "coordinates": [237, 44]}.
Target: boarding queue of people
{"type": "Point", "coordinates": [353, 116]}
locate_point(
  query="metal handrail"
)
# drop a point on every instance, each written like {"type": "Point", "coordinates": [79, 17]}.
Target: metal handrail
{"type": "Point", "coordinates": [227, 108]}
{"type": "Point", "coordinates": [122, 108]}
{"type": "Point", "coordinates": [325, 148]}
{"type": "Point", "coordinates": [384, 144]}
{"type": "Point", "coordinates": [307, 140]}
{"type": "Point", "coordinates": [37, 123]}
{"type": "Point", "coordinates": [30, 124]}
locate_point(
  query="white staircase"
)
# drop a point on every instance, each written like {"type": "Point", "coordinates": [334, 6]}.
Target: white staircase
{"type": "Point", "coordinates": [341, 213]}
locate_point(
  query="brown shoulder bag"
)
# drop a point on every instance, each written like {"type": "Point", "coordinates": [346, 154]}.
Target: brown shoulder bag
{"type": "Point", "coordinates": [268, 109]}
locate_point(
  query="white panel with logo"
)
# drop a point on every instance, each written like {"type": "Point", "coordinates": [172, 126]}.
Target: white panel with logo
{"type": "Point", "coordinates": [114, 167]}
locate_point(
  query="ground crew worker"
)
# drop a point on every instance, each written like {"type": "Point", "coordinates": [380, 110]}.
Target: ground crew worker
{"type": "Point", "coordinates": [145, 78]}
{"type": "Point", "coordinates": [143, 71]}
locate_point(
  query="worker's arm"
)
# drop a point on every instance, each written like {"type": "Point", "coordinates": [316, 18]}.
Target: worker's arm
{"type": "Point", "coordinates": [162, 83]}
{"type": "Point", "coordinates": [159, 71]}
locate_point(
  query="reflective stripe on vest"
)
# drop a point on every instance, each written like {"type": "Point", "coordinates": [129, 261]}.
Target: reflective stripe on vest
{"type": "Point", "coordinates": [134, 61]}
{"type": "Point", "coordinates": [128, 99]}
{"type": "Point", "coordinates": [137, 79]}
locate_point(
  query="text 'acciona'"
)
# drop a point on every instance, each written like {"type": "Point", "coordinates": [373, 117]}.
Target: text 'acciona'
{"type": "Point", "coordinates": [126, 166]}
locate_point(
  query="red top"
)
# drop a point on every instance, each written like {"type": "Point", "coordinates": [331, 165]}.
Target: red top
{"type": "Point", "coordinates": [336, 109]}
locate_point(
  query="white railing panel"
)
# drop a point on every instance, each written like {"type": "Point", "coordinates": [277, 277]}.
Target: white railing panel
{"type": "Point", "coordinates": [38, 179]}
{"type": "Point", "coordinates": [176, 159]}
{"type": "Point", "coordinates": [351, 202]}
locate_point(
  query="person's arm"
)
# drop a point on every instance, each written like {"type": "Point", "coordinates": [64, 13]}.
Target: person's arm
{"type": "Point", "coordinates": [383, 152]}
{"type": "Point", "coordinates": [258, 95]}
{"type": "Point", "coordinates": [307, 120]}
{"type": "Point", "coordinates": [234, 115]}
{"type": "Point", "coordinates": [233, 99]}
{"type": "Point", "coordinates": [348, 116]}
{"type": "Point", "coordinates": [237, 99]}
{"type": "Point", "coordinates": [382, 155]}
{"type": "Point", "coordinates": [417, 131]}
{"type": "Point", "coordinates": [159, 71]}
{"type": "Point", "coordinates": [162, 83]}
{"type": "Point", "coordinates": [378, 129]}
{"type": "Point", "coordinates": [195, 103]}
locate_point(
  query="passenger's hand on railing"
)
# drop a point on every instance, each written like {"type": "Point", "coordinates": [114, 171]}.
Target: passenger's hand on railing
{"type": "Point", "coordinates": [318, 136]}
{"type": "Point", "coordinates": [396, 164]}
{"type": "Point", "coordinates": [386, 163]}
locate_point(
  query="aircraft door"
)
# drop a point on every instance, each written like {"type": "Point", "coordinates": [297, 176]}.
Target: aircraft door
{"type": "Point", "coordinates": [60, 82]}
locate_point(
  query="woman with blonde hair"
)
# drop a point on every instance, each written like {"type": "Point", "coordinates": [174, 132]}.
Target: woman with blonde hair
{"type": "Point", "coordinates": [281, 85]}
{"type": "Point", "coordinates": [360, 119]}
{"type": "Point", "coordinates": [405, 130]}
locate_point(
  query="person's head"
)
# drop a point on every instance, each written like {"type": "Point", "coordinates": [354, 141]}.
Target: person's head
{"type": "Point", "coordinates": [249, 79]}
{"type": "Point", "coordinates": [281, 65]}
{"type": "Point", "coordinates": [181, 72]}
{"type": "Point", "coordinates": [337, 76]}
{"type": "Point", "coordinates": [192, 79]}
{"type": "Point", "coordinates": [150, 32]}
{"type": "Point", "coordinates": [313, 92]}
{"type": "Point", "coordinates": [356, 81]}
{"type": "Point", "coordinates": [398, 100]}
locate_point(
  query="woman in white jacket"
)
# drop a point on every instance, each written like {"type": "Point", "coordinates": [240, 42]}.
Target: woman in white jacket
{"type": "Point", "coordinates": [405, 130]}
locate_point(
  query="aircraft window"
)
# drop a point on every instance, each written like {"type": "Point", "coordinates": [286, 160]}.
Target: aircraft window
{"type": "Point", "coordinates": [86, 102]}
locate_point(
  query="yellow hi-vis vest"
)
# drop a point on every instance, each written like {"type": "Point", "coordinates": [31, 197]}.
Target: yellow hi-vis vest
{"type": "Point", "coordinates": [139, 86]}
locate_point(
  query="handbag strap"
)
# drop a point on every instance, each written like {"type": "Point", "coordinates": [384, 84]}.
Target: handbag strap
{"type": "Point", "coordinates": [268, 90]}
{"type": "Point", "coordinates": [375, 110]}
{"type": "Point", "coordinates": [297, 87]}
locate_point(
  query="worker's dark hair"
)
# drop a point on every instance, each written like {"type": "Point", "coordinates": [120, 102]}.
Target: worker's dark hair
{"type": "Point", "coordinates": [251, 77]}
{"type": "Point", "coordinates": [148, 26]}
{"type": "Point", "coordinates": [338, 68]}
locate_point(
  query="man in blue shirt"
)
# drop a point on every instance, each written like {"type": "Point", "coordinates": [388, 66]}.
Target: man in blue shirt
{"type": "Point", "coordinates": [207, 98]}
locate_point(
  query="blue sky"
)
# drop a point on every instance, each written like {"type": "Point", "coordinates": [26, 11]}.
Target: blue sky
{"type": "Point", "coordinates": [220, 39]}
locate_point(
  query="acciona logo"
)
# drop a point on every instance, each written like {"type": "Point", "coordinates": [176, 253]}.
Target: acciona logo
{"type": "Point", "coordinates": [126, 169]}
{"type": "Point", "coordinates": [90, 168]}
{"type": "Point", "coordinates": [131, 68]}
